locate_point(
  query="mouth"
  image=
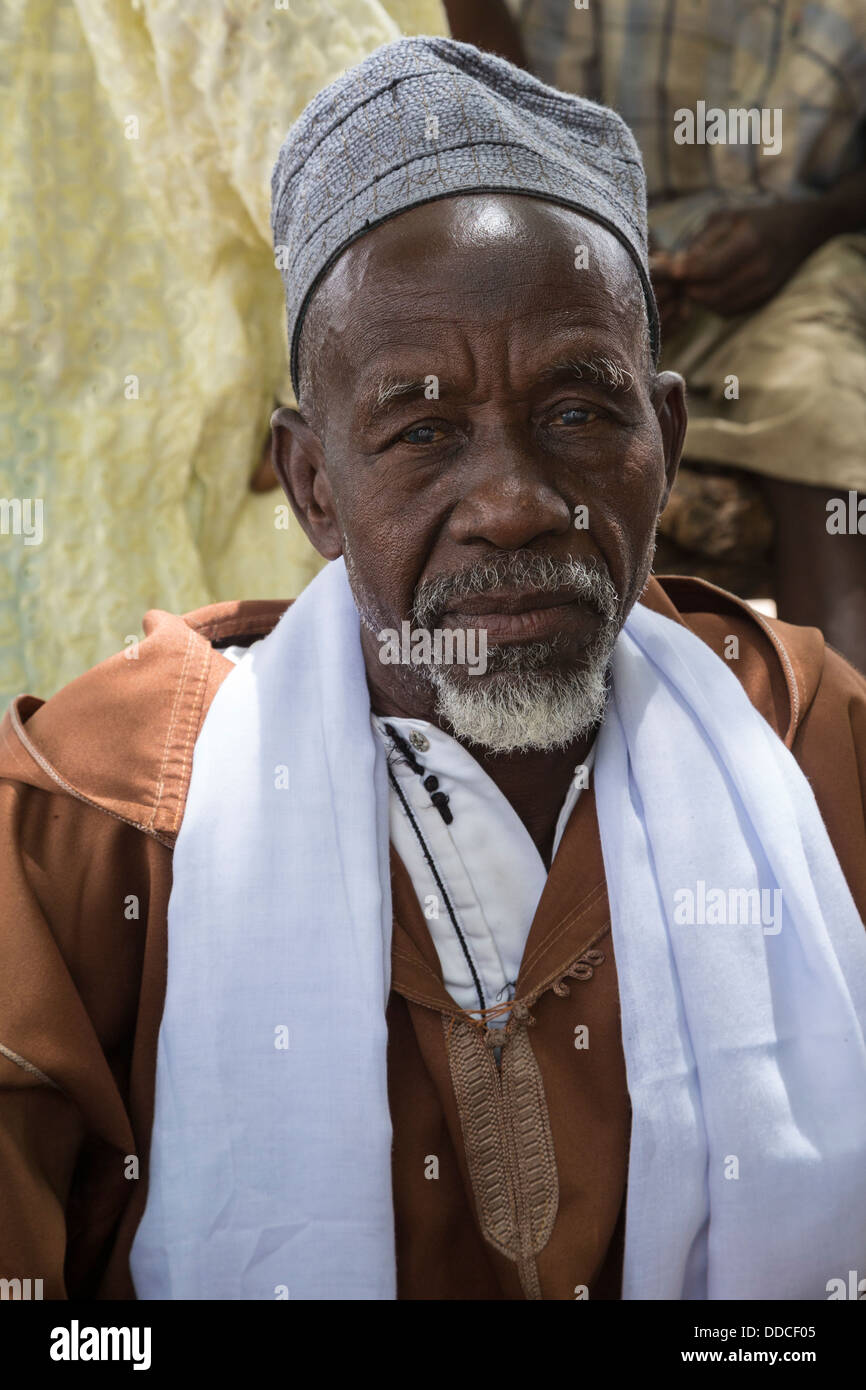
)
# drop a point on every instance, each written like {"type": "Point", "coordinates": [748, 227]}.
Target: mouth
{"type": "Point", "coordinates": [521, 617]}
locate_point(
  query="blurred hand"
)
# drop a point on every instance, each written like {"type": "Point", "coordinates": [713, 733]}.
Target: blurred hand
{"type": "Point", "coordinates": [740, 259]}
{"type": "Point", "coordinates": [489, 24]}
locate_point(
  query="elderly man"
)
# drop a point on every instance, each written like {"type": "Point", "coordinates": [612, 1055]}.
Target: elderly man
{"type": "Point", "coordinates": [471, 929]}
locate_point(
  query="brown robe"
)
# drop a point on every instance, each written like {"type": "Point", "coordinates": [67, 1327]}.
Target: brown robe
{"type": "Point", "coordinates": [509, 1182]}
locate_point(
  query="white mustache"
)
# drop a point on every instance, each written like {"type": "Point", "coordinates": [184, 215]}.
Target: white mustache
{"type": "Point", "coordinates": [523, 573]}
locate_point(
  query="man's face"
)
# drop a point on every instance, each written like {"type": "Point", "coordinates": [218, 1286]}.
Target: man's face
{"type": "Point", "coordinates": [490, 449]}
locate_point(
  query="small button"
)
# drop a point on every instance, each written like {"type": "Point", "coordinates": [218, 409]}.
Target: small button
{"type": "Point", "coordinates": [440, 801]}
{"type": "Point", "coordinates": [431, 783]}
{"type": "Point", "coordinates": [417, 740]}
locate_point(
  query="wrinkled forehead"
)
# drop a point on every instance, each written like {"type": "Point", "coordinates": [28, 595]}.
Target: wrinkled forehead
{"type": "Point", "coordinates": [470, 261]}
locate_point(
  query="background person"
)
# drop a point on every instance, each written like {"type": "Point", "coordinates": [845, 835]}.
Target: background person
{"type": "Point", "coordinates": [141, 320]}
{"type": "Point", "coordinates": [759, 260]}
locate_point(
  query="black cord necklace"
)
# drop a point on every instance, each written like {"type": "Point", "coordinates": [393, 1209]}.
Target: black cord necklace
{"type": "Point", "coordinates": [443, 809]}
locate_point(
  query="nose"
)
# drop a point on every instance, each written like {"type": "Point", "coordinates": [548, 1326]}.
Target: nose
{"type": "Point", "coordinates": [508, 501]}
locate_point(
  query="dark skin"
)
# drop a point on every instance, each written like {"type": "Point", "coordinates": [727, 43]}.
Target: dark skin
{"type": "Point", "coordinates": [742, 257]}
{"type": "Point", "coordinates": [480, 291]}
{"type": "Point", "coordinates": [736, 263]}
{"type": "Point", "coordinates": [488, 24]}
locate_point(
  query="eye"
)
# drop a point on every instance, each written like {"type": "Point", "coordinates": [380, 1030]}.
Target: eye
{"type": "Point", "coordinates": [575, 415]}
{"type": "Point", "coordinates": [422, 434]}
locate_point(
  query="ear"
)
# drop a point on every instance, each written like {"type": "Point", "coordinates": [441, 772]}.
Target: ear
{"type": "Point", "coordinates": [668, 395]}
{"type": "Point", "coordinates": [299, 463]}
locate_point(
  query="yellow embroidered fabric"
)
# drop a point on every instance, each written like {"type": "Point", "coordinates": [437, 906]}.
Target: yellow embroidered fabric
{"type": "Point", "coordinates": [142, 342]}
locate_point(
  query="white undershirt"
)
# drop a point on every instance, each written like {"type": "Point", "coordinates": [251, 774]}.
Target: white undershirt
{"type": "Point", "coordinates": [486, 859]}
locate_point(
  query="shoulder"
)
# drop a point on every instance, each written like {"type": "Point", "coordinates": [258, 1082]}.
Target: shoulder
{"type": "Point", "coordinates": [813, 698]}
{"type": "Point", "coordinates": [120, 737]}
{"type": "Point", "coordinates": [788, 672]}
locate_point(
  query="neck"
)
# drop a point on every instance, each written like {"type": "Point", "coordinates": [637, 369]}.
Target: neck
{"type": "Point", "coordinates": [534, 782]}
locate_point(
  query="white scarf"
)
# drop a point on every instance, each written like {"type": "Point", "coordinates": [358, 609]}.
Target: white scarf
{"type": "Point", "coordinates": [270, 1165]}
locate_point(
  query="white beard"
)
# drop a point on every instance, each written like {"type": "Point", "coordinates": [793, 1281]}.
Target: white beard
{"type": "Point", "coordinates": [527, 700]}
{"type": "Point", "coordinates": [522, 710]}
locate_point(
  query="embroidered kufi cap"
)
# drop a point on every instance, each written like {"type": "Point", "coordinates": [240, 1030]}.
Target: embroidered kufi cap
{"type": "Point", "coordinates": [426, 118]}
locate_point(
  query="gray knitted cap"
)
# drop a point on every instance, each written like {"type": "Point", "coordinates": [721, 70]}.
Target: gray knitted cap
{"type": "Point", "coordinates": [424, 118]}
